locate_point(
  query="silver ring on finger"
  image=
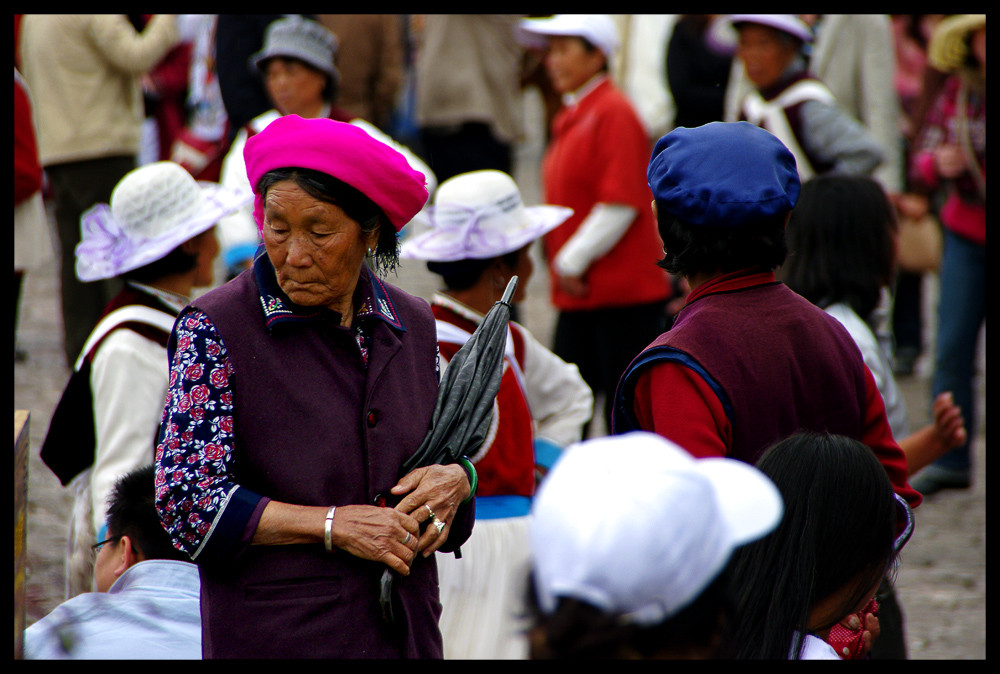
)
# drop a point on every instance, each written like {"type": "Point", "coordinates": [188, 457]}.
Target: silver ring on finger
{"type": "Point", "coordinates": [408, 537]}
{"type": "Point", "coordinates": [439, 525]}
{"type": "Point", "coordinates": [433, 516]}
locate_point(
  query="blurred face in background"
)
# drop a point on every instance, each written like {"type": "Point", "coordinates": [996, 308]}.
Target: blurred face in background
{"type": "Point", "coordinates": [206, 247]}
{"type": "Point", "coordinates": [294, 87]}
{"type": "Point", "coordinates": [570, 64]}
{"type": "Point", "coordinates": [765, 53]}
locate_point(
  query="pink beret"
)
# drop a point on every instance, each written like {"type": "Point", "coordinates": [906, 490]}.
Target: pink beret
{"type": "Point", "coordinates": [343, 151]}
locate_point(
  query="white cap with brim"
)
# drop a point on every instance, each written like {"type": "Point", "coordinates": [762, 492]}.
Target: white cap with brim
{"type": "Point", "coordinates": [786, 23]}
{"type": "Point", "coordinates": [154, 209]}
{"type": "Point", "coordinates": [478, 215]}
{"type": "Point", "coordinates": [637, 527]}
{"type": "Point", "coordinates": [598, 29]}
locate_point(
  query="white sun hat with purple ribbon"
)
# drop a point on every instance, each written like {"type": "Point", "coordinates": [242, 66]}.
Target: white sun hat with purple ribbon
{"type": "Point", "coordinates": [153, 209]}
{"type": "Point", "coordinates": [479, 215]}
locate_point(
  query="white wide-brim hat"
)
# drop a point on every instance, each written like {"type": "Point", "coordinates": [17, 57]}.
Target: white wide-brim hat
{"type": "Point", "coordinates": [300, 38]}
{"type": "Point", "coordinates": [786, 23]}
{"type": "Point", "coordinates": [637, 527]}
{"type": "Point", "coordinates": [476, 216]}
{"type": "Point", "coordinates": [154, 209]}
{"type": "Point", "coordinates": [598, 29]}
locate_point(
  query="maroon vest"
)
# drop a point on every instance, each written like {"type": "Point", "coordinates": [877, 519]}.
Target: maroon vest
{"type": "Point", "coordinates": [778, 364]}
{"type": "Point", "coordinates": [314, 426]}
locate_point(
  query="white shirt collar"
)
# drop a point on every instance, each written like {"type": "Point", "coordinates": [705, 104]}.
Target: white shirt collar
{"type": "Point", "coordinates": [454, 305]}
{"type": "Point", "coordinates": [172, 300]}
{"type": "Point", "coordinates": [574, 97]}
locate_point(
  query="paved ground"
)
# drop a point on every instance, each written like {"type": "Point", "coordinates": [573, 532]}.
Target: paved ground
{"type": "Point", "coordinates": [941, 582]}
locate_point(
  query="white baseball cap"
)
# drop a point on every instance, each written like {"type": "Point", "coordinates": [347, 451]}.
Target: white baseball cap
{"type": "Point", "coordinates": [786, 23]}
{"type": "Point", "coordinates": [637, 527]}
{"type": "Point", "coordinates": [476, 216]}
{"type": "Point", "coordinates": [598, 29]}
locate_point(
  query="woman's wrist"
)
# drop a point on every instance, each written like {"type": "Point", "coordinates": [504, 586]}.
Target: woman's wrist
{"type": "Point", "coordinates": [288, 524]}
{"type": "Point", "coordinates": [328, 529]}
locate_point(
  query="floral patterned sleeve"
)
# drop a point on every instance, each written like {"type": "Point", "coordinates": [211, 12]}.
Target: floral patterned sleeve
{"type": "Point", "coordinates": [203, 510]}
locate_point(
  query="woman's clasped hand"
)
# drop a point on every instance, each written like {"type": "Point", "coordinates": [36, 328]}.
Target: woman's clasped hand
{"type": "Point", "coordinates": [433, 495]}
{"type": "Point", "coordinates": [418, 524]}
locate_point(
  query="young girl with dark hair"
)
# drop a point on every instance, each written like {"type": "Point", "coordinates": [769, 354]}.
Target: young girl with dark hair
{"type": "Point", "coordinates": [842, 257]}
{"type": "Point", "coordinates": [834, 545]}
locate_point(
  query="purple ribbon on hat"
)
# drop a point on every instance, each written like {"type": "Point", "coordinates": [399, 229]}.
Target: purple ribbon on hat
{"type": "Point", "coordinates": [468, 236]}
{"type": "Point", "coordinates": [103, 246]}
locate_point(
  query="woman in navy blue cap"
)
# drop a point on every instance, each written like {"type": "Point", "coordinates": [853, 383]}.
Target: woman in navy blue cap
{"type": "Point", "coordinates": [747, 361]}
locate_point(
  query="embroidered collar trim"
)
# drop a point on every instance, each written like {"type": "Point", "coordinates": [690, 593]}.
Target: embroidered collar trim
{"type": "Point", "coordinates": [375, 302]}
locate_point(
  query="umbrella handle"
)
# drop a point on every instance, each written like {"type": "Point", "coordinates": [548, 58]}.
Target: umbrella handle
{"type": "Point", "coordinates": [509, 292]}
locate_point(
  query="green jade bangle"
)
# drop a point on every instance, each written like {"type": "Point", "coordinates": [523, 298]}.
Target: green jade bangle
{"type": "Point", "coordinates": [465, 463]}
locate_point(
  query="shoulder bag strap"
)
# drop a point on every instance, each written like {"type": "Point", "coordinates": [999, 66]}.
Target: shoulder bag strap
{"type": "Point", "coordinates": [127, 314]}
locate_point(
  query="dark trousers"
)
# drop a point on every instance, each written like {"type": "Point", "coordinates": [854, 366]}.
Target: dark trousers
{"type": "Point", "coordinates": [76, 186]}
{"type": "Point", "coordinates": [602, 343]}
{"type": "Point", "coordinates": [907, 322]}
{"type": "Point", "coordinates": [891, 643]}
{"type": "Point", "coordinates": [465, 147]}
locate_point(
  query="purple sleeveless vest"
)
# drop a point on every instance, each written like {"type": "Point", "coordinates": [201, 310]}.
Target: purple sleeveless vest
{"type": "Point", "coordinates": [314, 426]}
{"type": "Point", "coordinates": [778, 364]}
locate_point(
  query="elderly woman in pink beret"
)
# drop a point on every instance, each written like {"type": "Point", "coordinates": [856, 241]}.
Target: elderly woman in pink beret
{"type": "Point", "coordinates": [296, 392]}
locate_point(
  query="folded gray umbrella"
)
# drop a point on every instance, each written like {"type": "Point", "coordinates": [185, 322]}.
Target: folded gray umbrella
{"type": "Point", "coordinates": [464, 408]}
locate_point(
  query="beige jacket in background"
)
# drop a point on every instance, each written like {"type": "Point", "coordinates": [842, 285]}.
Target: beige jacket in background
{"type": "Point", "coordinates": [84, 71]}
{"type": "Point", "coordinates": [469, 70]}
{"type": "Point", "coordinates": [370, 58]}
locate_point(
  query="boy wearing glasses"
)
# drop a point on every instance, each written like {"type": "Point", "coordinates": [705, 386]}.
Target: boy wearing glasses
{"type": "Point", "coordinates": [146, 603]}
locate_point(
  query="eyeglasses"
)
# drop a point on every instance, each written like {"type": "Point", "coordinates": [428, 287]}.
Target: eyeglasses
{"type": "Point", "coordinates": [96, 547]}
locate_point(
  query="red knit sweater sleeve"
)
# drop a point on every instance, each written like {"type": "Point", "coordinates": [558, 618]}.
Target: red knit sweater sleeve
{"type": "Point", "coordinates": [673, 401]}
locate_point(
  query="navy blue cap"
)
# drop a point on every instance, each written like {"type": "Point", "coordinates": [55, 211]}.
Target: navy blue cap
{"type": "Point", "coordinates": [723, 174]}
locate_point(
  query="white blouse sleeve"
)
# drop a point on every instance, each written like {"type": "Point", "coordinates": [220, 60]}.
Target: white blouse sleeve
{"type": "Point", "coordinates": [128, 379]}
{"type": "Point", "coordinates": [560, 401]}
{"type": "Point", "coordinates": [599, 232]}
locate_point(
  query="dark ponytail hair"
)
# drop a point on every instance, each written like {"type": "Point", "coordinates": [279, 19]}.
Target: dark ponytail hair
{"type": "Point", "coordinates": [837, 531]}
